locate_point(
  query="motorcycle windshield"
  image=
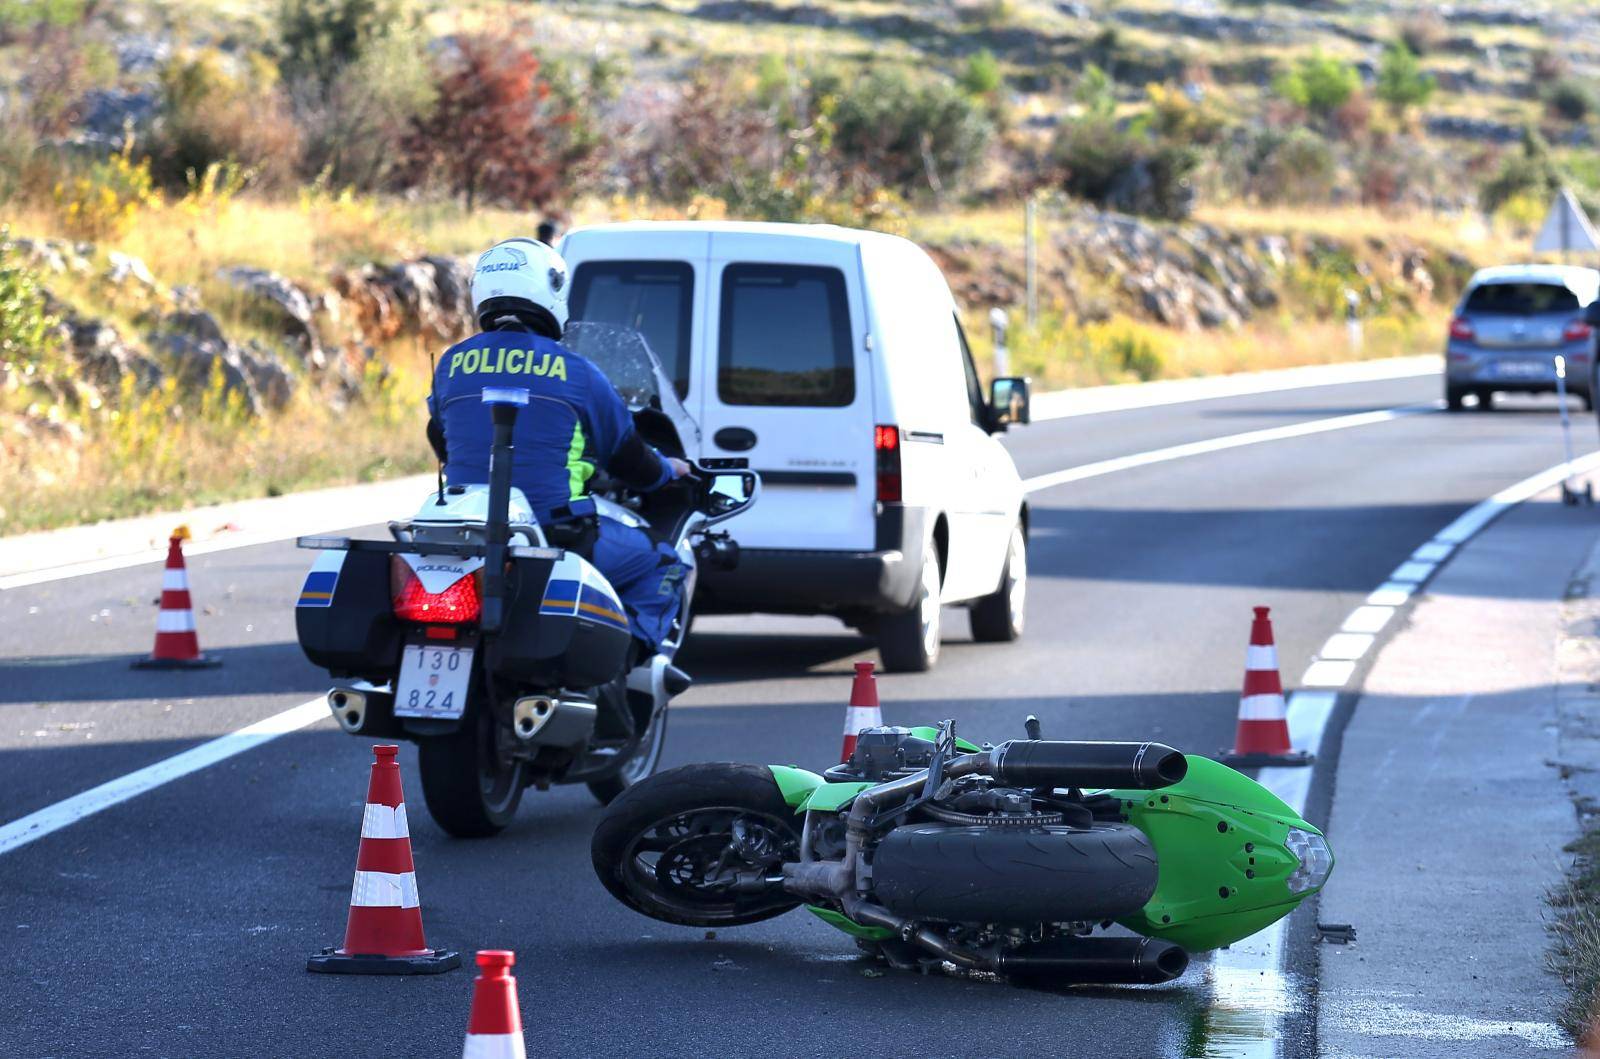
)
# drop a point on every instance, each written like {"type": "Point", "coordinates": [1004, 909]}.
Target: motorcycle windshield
{"type": "Point", "coordinates": [626, 358]}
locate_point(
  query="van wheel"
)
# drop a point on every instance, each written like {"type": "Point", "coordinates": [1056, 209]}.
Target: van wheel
{"type": "Point", "coordinates": [908, 642]}
{"type": "Point", "coordinates": [998, 617]}
{"type": "Point", "coordinates": [1455, 398]}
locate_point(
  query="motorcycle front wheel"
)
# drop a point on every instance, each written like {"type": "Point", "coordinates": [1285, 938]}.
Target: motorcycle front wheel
{"type": "Point", "coordinates": [470, 792]}
{"type": "Point", "coordinates": [672, 846]}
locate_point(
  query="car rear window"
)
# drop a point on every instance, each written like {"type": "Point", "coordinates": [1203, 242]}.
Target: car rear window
{"type": "Point", "coordinates": [1521, 299]}
{"type": "Point", "coordinates": [655, 298]}
{"type": "Point", "coordinates": [785, 337]}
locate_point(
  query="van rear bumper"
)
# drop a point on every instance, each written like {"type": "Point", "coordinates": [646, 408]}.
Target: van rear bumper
{"type": "Point", "coordinates": [814, 581]}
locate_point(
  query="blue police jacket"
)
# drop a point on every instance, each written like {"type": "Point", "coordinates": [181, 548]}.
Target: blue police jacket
{"type": "Point", "coordinates": [575, 421]}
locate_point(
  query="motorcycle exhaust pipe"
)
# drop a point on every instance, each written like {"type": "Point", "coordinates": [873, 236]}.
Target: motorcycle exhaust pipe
{"type": "Point", "coordinates": [1057, 763]}
{"type": "Point", "coordinates": [349, 709]}
{"type": "Point", "coordinates": [1096, 961]}
{"type": "Point", "coordinates": [540, 720]}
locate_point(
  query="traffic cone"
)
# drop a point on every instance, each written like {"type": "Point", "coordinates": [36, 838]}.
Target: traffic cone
{"type": "Point", "coordinates": [863, 711]}
{"type": "Point", "coordinates": [494, 1029]}
{"type": "Point", "coordinates": [384, 932]}
{"type": "Point", "coordinates": [1262, 738]}
{"type": "Point", "coordinates": [177, 646]}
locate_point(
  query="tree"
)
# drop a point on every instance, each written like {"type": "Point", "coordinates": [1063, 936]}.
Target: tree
{"type": "Point", "coordinates": [319, 38]}
{"type": "Point", "coordinates": [1319, 84]}
{"type": "Point", "coordinates": [1401, 82]}
{"type": "Point", "coordinates": [493, 131]}
{"type": "Point", "coordinates": [981, 76]}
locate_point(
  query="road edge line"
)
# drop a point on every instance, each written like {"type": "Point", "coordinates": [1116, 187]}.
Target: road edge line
{"type": "Point", "coordinates": [1259, 962]}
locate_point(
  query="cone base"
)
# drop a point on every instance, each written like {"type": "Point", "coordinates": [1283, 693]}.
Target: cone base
{"type": "Point", "coordinates": [1292, 759]}
{"type": "Point", "coordinates": [332, 961]}
{"type": "Point", "coordinates": [199, 662]}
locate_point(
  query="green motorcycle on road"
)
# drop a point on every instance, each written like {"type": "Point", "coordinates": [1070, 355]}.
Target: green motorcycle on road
{"type": "Point", "coordinates": [1009, 859]}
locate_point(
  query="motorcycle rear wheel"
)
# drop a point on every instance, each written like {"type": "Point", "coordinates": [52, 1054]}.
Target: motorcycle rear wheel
{"type": "Point", "coordinates": [660, 838]}
{"type": "Point", "coordinates": [469, 792]}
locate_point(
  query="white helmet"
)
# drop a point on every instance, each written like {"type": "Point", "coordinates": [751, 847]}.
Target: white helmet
{"type": "Point", "coordinates": [520, 278]}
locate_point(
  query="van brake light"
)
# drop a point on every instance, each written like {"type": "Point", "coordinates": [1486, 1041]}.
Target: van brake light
{"type": "Point", "coordinates": [1577, 331]}
{"type": "Point", "coordinates": [886, 444]}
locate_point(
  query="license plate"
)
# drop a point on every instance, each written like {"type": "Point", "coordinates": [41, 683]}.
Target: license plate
{"type": "Point", "coordinates": [433, 681]}
{"type": "Point", "coordinates": [1523, 369]}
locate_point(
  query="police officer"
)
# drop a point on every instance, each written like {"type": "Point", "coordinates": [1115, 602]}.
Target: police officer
{"type": "Point", "coordinates": [575, 423]}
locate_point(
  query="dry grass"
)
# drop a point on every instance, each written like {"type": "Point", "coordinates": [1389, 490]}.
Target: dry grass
{"type": "Point", "coordinates": [1574, 922]}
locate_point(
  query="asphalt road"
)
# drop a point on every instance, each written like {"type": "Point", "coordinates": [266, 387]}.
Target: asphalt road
{"type": "Point", "coordinates": [178, 923]}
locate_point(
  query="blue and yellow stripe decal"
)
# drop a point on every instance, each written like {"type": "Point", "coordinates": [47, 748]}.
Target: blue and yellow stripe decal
{"type": "Point", "coordinates": [560, 597]}
{"type": "Point", "coordinates": [600, 607]}
{"type": "Point", "coordinates": [318, 589]}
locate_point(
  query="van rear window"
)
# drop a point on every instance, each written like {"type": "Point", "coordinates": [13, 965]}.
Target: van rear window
{"type": "Point", "coordinates": [785, 337]}
{"type": "Point", "coordinates": [655, 298]}
{"type": "Point", "coordinates": [1521, 299]}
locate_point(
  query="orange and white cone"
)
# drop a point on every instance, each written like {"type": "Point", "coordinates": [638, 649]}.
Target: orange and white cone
{"type": "Point", "coordinates": [384, 931]}
{"type": "Point", "coordinates": [863, 711]}
{"type": "Point", "coordinates": [177, 646]}
{"type": "Point", "coordinates": [1262, 737]}
{"type": "Point", "coordinates": [494, 1028]}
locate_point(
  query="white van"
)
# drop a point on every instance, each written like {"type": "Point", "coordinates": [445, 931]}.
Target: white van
{"type": "Point", "coordinates": [832, 359]}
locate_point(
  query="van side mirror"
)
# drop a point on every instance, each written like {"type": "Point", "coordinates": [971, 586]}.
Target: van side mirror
{"type": "Point", "coordinates": [1009, 402]}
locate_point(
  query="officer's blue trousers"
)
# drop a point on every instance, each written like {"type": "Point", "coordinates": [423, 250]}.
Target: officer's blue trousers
{"type": "Point", "coordinates": [647, 575]}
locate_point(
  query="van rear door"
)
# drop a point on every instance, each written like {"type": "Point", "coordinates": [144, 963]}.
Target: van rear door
{"type": "Point", "coordinates": [785, 381]}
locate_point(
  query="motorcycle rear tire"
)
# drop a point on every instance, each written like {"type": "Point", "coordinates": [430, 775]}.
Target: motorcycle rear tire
{"type": "Point", "coordinates": [689, 789]}
{"type": "Point", "coordinates": [468, 793]}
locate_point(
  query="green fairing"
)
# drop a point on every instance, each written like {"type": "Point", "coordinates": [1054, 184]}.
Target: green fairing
{"type": "Point", "coordinates": [834, 797]}
{"type": "Point", "coordinates": [848, 925]}
{"type": "Point", "coordinates": [795, 783]}
{"type": "Point", "coordinates": [1218, 832]}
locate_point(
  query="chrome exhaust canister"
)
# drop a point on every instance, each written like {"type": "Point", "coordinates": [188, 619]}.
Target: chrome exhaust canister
{"type": "Point", "coordinates": [543, 721]}
{"type": "Point", "coordinates": [349, 708]}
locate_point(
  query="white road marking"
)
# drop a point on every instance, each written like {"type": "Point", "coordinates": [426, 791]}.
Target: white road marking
{"type": "Point", "coordinates": [1222, 444]}
{"type": "Point", "coordinates": [1347, 646]}
{"type": "Point", "coordinates": [1250, 980]}
{"type": "Point", "coordinates": [1092, 400]}
{"type": "Point", "coordinates": [53, 818]}
{"type": "Point", "coordinates": [1413, 571]}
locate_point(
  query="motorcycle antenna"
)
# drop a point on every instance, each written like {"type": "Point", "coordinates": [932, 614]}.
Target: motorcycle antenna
{"type": "Point", "coordinates": [433, 374]}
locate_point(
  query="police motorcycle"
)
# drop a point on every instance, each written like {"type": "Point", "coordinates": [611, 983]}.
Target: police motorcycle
{"type": "Point", "coordinates": [492, 641]}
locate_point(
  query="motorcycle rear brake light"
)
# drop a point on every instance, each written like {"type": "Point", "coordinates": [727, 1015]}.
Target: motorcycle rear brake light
{"type": "Point", "coordinates": [1462, 329]}
{"type": "Point", "coordinates": [886, 443]}
{"type": "Point", "coordinates": [1577, 331]}
{"type": "Point", "coordinates": [456, 605]}
{"type": "Point", "coordinates": [440, 632]}
{"type": "Point", "coordinates": [1316, 860]}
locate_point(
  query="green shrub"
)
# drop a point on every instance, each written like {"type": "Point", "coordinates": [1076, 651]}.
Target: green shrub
{"type": "Point", "coordinates": [1124, 169]}
{"type": "Point", "coordinates": [892, 129]}
{"type": "Point", "coordinates": [1401, 82]}
{"type": "Point", "coordinates": [215, 117]}
{"type": "Point", "coordinates": [29, 341]}
{"type": "Point", "coordinates": [981, 75]}
{"type": "Point", "coordinates": [354, 125]}
{"type": "Point", "coordinates": [1527, 171]}
{"type": "Point", "coordinates": [318, 39]}
{"type": "Point", "coordinates": [1319, 84]}
{"type": "Point", "coordinates": [1295, 167]}
{"type": "Point", "coordinates": [1570, 99]}
{"type": "Point", "coordinates": [17, 15]}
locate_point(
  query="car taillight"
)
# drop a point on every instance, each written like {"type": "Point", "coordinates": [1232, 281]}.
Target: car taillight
{"type": "Point", "coordinates": [886, 441]}
{"type": "Point", "coordinates": [1462, 329]}
{"type": "Point", "coordinates": [457, 604]}
{"type": "Point", "coordinates": [1577, 331]}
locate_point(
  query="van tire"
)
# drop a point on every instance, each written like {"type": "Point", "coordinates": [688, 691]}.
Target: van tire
{"type": "Point", "coordinates": [908, 642]}
{"type": "Point", "coordinates": [999, 616]}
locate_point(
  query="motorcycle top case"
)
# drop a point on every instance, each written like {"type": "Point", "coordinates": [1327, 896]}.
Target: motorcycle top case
{"type": "Point", "coordinates": [564, 626]}
{"type": "Point", "coordinates": [344, 617]}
